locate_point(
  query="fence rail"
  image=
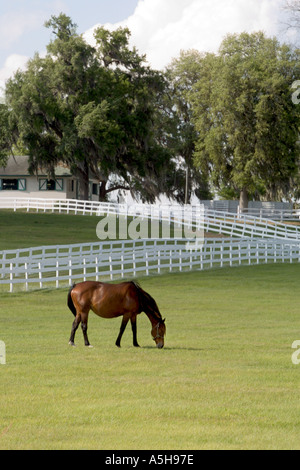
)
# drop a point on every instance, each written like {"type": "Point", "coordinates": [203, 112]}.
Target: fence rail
{"type": "Point", "coordinates": [249, 240]}
{"type": "Point", "coordinates": [242, 225]}
{"type": "Point", "coordinates": [246, 226]}
{"type": "Point", "coordinates": [272, 213]}
{"type": "Point", "coordinates": [117, 260]}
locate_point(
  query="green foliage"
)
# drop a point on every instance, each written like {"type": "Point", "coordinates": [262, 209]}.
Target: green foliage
{"type": "Point", "coordinates": [182, 74]}
{"type": "Point", "coordinates": [5, 134]}
{"type": "Point", "coordinates": [247, 124]}
{"type": "Point", "coordinates": [94, 108]}
{"type": "Point", "coordinates": [222, 122]}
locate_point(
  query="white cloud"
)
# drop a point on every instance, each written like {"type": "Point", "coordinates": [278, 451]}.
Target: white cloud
{"type": "Point", "coordinates": [161, 28]}
{"type": "Point", "coordinates": [14, 24]}
{"type": "Point", "coordinates": [11, 65]}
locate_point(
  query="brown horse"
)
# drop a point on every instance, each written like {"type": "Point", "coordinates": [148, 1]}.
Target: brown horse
{"type": "Point", "coordinates": [111, 301]}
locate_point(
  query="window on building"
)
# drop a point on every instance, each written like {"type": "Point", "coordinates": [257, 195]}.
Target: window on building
{"type": "Point", "coordinates": [71, 186]}
{"type": "Point", "coordinates": [51, 185]}
{"type": "Point", "coordinates": [95, 189]}
{"type": "Point", "coordinates": [9, 185]}
{"type": "Point", "coordinates": [13, 184]}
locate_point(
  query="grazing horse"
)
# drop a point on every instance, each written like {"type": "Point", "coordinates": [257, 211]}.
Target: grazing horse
{"type": "Point", "coordinates": [127, 299]}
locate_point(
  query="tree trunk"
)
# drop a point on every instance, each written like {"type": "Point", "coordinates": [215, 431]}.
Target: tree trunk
{"type": "Point", "coordinates": [83, 174]}
{"type": "Point", "coordinates": [102, 191]}
{"type": "Point", "coordinates": [187, 186]}
{"type": "Point", "coordinates": [243, 199]}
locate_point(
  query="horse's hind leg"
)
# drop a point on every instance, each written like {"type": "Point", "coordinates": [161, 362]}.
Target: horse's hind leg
{"type": "Point", "coordinates": [84, 322]}
{"type": "Point", "coordinates": [133, 327]}
{"type": "Point", "coordinates": [122, 329]}
{"type": "Point", "coordinates": [75, 325]}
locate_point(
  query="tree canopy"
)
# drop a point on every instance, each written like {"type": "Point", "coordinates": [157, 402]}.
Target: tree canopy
{"type": "Point", "coordinates": [6, 140]}
{"type": "Point", "coordinates": [222, 122]}
{"type": "Point", "coordinates": [247, 124]}
{"type": "Point", "coordinates": [93, 108]}
{"type": "Point", "coordinates": [182, 75]}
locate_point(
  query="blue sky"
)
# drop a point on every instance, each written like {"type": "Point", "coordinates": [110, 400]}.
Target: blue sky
{"type": "Point", "coordinates": [21, 21]}
{"type": "Point", "coordinates": [160, 28]}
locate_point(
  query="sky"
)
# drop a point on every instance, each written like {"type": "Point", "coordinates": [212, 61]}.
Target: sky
{"type": "Point", "coordinates": [160, 28]}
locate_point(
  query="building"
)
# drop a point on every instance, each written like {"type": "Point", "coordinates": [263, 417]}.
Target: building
{"type": "Point", "coordinates": [15, 181]}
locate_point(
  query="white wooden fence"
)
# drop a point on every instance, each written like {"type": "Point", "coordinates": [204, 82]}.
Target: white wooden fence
{"type": "Point", "coordinates": [246, 226]}
{"type": "Point", "coordinates": [272, 213]}
{"type": "Point", "coordinates": [250, 240]}
{"type": "Point", "coordinates": [234, 225]}
{"type": "Point", "coordinates": [61, 266]}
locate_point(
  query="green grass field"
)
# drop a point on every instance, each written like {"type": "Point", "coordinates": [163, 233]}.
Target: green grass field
{"type": "Point", "coordinates": [224, 380]}
{"type": "Point", "coordinates": [25, 230]}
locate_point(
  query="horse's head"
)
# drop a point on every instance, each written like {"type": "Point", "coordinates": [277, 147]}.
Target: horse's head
{"type": "Point", "coordinates": [158, 333]}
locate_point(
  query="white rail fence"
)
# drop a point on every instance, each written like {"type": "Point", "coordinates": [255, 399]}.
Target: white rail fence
{"type": "Point", "coordinates": [250, 240]}
{"type": "Point", "coordinates": [245, 226]}
{"type": "Point", "coordinates": [53, 267]}
{"type": "Point", "coordinates": [266, 211]}
{"type": "Point", "coordinates": [272, 213]}
{"type": "Point", "coordinates": [241, 225]}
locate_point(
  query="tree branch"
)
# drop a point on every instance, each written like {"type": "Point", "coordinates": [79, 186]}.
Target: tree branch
{"type": "Point", "coordinates": [119, 186]}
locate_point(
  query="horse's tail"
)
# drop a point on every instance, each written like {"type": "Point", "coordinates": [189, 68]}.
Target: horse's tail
{"type": "Point", "coordinates": [70, 301]}
{"type": "Point", "coordinates": [147, 303]}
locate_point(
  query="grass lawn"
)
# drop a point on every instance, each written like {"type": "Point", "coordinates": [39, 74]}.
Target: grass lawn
{"type": "Point", "coordinates": [224, 380]}
{"type": "Point", "coordinates": [24, 230]}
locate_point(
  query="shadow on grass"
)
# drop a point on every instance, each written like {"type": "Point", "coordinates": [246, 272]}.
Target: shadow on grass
{"type": "Point", "coordinates": [175, 348]}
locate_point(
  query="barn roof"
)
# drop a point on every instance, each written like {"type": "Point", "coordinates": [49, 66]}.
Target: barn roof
{"type": "Point", "coordinates": [18, 166]}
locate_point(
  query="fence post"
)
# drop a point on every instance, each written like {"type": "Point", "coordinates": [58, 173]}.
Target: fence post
{"type": "Point", "coordinates": [180, 260]}
{"type": "Point", "coordinates": [11, 274]}
{"type": "Point", "coordinates": [57, 275]}
{"type": "Point", "coordinates": [122, 265]}
{"type": "Point", "coordinates": [3, 264]}
{"type": "Point", "coordinates": [96, 268]}
{"type": "Point", "coordinates": [158, 262]}
{"type": "Point", "coordinates": [222, 255]}
{"type": "Point", "coordinates": [84, 269]}
{"type": "Point", "coordinates": [147, 264]}
{"type": "Point", "coordinates": [70, 272]}
{"type": "Point", "coordinates": [40, 275]}
{"type": "Point", "coordinates": [134, 264]}
{"type": "Point", "coordinates": [26, 276]}
{"type": "Point", "coordinates": [110, 268]}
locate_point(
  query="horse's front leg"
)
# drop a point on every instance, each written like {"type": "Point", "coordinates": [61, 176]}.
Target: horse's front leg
{"type": "Point", "coordinates": [84, 322]}
{"type": "Point", "coordinates": [75, 325]}
{"type": "Point", "coordinates": [133, 326]}
{"type": "Point", "coordinates": [122, 329]}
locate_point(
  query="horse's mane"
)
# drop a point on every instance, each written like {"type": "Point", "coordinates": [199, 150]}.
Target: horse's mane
{"type": "Point", "coordinates": [147, 303]}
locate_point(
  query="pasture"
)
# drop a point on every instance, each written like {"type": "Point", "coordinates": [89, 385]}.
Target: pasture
{"type": "Point", "coordinates": [25, 230]}
{"type": "Point", "coordinates": [224, 380]}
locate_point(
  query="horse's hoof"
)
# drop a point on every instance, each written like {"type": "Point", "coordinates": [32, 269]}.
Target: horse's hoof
{"type": "Point", "coordinates": [72, 344]}
{"type": "Point", "coordinates": [89, 346]}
